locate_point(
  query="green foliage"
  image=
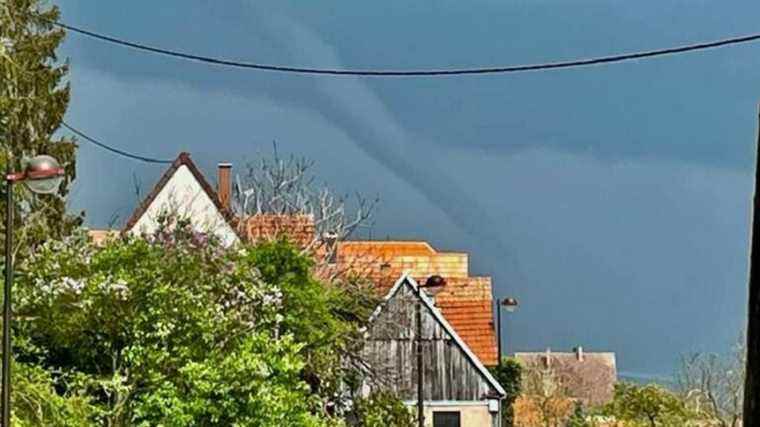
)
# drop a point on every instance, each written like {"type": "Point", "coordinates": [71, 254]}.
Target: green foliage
{"type": "Point", "coordinates": [509, 375]}
{"type": "Point", "coordinates": [325, 317]}
{"type": "Point", "coordinates": [33, 101]}
{"type": "Point", "coordinates": [579, 418]}
{"type": "Point", "coordinates": [648, 405]}
{"type": "Point", "coordinates": [36, 402]}
{"type": "Point", "coordinates": [258, 384]}
{"type": "Point", "coordinates": [177, 331]}
{"type": "Point", "coordinates": [383, 409]}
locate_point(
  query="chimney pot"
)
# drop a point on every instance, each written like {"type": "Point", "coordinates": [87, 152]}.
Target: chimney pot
{"type": "Point", "coordinates": [224, 184]}
{"type": "Point", "coordinates": [579, 353]}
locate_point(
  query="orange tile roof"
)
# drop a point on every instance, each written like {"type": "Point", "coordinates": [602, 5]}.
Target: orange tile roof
{"type": "Point", "coordinates": [388, 248]}
{"type": "Point", "coordinates": [467, 304]}
{"type": "Point", "coordinates": [99, 237]}
{"type": "Point", "coordinates": [300, 229]}
{"type": "Point", "coordinates": [383, 262]}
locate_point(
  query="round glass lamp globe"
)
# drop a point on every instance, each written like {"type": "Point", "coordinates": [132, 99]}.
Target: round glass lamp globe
{"type": "Point", "coordinates": [510, 304]}
{"type": "Point", "coordinates": [43, 175]}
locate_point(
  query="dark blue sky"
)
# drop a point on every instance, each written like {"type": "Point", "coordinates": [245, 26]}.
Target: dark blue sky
{"type": "Point", "coordinates": [612, 201]}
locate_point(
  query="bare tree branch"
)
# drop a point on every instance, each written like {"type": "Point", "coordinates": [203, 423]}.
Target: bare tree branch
{"type": "Point", "coordinates": [286, 186]}
{"type": "Point", "coordinates": [713, 384]}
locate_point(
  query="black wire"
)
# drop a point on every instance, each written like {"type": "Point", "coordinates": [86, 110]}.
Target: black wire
{"type": "Point", "coordinates": [111, 149]}
{"type": "Point", "coordinates": [412, 73]}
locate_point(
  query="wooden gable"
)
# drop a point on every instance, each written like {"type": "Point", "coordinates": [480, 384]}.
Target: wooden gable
{"type": "Point", "coordinates": [451, 371]}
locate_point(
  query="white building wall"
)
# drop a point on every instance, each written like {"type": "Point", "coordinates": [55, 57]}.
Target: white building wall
{"type": "Point", "coordinates": [184, 197]}
{"type": "Point", "coordinates": [472, 413]}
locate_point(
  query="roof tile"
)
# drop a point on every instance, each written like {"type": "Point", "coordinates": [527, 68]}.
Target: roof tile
{"type": "Point", "coordinates": [466, 302]}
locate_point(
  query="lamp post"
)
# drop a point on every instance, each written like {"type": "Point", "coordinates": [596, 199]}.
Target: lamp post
{"type": "Point", "coordinates": [42, 175]}
{"type": "Point", "coordinates": [509, 304]}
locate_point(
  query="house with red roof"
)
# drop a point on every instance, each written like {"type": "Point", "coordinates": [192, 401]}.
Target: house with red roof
{"type": "Point", "coordinates": [465, 301]}
{"type": "Point", "coordinates": [457, 388]}
{"type": "Point", "coordinates": [458, 312]}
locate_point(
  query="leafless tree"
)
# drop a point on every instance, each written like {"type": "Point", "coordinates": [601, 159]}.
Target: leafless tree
{"type": "Point", "coordinates": [545, 400]}
{"type": "Point", "coordinates": [713, 384]}
{"type": "Point", "coordinates": [287, 186]}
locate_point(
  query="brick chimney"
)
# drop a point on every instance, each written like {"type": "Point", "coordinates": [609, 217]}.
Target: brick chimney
{"type": "Point", "coordinates": [224, 184]}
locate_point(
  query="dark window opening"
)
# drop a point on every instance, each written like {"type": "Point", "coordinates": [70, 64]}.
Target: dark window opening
{"type": "Point", "coordinates": [446, 419]}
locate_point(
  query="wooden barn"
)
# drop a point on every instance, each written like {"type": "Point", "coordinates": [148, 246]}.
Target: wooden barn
{"type": "Point", "coordinates": [458, 390]}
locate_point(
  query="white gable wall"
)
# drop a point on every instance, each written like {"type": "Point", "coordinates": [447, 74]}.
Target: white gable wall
{"type": "Point", "coordinates": [185, 197]}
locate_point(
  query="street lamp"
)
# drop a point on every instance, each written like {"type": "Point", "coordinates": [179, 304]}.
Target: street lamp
{"type": "Point", "coordinates": [42, 175]}
{"type": "Point", "coordinates": [509, 304]}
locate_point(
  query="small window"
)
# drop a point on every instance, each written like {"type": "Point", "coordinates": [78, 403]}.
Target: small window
{"type": "Point", "coordinates": [446, 419]}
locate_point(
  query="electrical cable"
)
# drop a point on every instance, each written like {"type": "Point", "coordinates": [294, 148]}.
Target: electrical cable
{"type": "Point", "coordinates": [112, 149]}
{"type": "Point", "coordinates": [415, 73]}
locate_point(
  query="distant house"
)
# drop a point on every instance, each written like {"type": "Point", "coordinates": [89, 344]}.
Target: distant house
{"type": "Point", "coordinates": [459, 314]}
{"type": "Point", "coordinates": [457, 388]}
{"type": "Point", "coordinates": [554, 384]}
{"type": "Point", "coordinates": [585, 377]}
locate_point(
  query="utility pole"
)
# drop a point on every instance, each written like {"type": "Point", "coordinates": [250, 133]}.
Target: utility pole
{"type": "Point", "coordinates": [6, 384]}
{"type": "Point", "coordinates": [498, 329]}
{"type": "Point", "coordinates": [509, 304]}
{"type": "Point", "coordinates": [418, 320]}
{"type": "Point", "coordinates": [751, 413]}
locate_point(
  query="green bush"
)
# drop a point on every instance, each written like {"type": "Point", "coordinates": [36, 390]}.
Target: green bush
{"type": "Point", "coordinates": [509, 375]}
{"type": "Point", "coordinates": [35, 401]}
{"type": "Point", "coordinates": [382, 409]}
{"type": "Point", "coordinates": [648, 406]}
{"type": "Point", "coordinates": [177, 331]}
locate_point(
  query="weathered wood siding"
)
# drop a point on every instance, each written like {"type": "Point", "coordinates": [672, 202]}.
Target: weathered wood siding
{"type": "Point", "coordinates": [448, 372]}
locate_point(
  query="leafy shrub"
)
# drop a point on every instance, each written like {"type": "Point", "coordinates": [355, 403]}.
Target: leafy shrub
{"type": "Point", "coordinates": [36, 402]}
{"type": "Point", "coordinates": [509, 375]}
{"type": "Point", "coordinates": [648, 406]}
{"type": "Point", "coordinates": [383, 409]}
{"type": "Point", "coordinates": [177, 331]}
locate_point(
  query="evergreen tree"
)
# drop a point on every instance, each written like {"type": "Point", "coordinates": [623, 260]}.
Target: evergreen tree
{"type": "Point", "coordinates": [34, 95]}
{"type": "Point", "coordinates": [509, 375]}
{"type": "Point", "coordinates": [579, 417]}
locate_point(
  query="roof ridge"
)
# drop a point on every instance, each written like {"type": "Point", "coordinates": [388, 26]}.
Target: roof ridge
{"type": "Point", "coordinates": [564, 353]}
{"type": "Point", "coordinates": [391, 241]}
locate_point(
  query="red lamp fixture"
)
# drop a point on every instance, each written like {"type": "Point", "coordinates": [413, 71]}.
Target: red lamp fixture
{"type": "Point", "coordinates": [42, 175]}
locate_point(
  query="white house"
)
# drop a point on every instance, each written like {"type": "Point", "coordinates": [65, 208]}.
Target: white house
{"type": "Point", "coordinates": [184, 191]}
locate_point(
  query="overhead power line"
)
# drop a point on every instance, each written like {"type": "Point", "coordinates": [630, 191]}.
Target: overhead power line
{"type": "Point", "coordinates": [112, 149]}
{"type": "Point", "coordinates": [415, 73]}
